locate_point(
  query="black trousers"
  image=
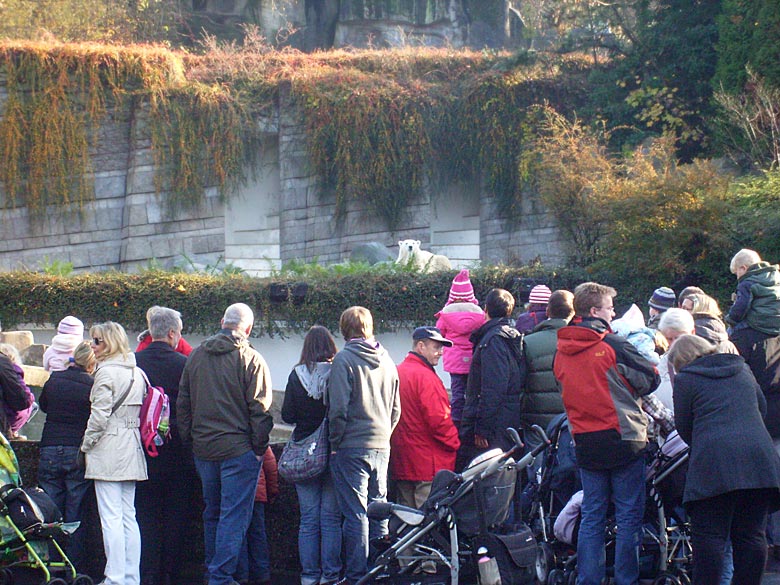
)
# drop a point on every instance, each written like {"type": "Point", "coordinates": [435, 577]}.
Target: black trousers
{"type": "Point", "coordinates": [739, 515]}
{"type": "Point", "coordinates": [167, 509]}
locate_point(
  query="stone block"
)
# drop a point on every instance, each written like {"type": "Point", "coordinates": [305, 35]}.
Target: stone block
{"type": "Point", "coordinates": [11, 245]}
{"type": "Point", "coordinates": [108, 218]}
{"type": "Point", "coordinates": [137, 249]}
{"type": "Point", "coordinates": [79, 257]}
{"type": "Point", "coordinates": [105, 256]}
{"type": "Point", "coordinates": [141, 180]}
{"type": "Point", "coordinates": [21, 340]}
{"type": "Point", "coordinates": [108, 185]}
{"type": "Point", "coordinates": [154, 210]}
{"type": "Point", "coordinates": [33, 356]}
{"type": "Point", "coordinates": [137, 215]}
{"type": "Point", "coordinates": [35, 375]}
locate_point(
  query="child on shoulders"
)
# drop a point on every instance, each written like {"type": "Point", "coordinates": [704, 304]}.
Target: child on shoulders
{"type": "Point", "coordinates": [757, 300]}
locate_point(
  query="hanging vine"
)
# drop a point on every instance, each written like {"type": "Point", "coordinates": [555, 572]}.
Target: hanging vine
{"type": "Point", "coordinates": [378, 122]}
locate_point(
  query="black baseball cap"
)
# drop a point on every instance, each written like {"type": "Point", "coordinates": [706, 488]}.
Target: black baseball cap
{"type": "Point", "coordinates": [431, 333]}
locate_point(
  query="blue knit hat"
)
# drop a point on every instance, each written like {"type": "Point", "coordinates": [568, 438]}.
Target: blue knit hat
{"type": "Point", "coordinates": [663, 298]}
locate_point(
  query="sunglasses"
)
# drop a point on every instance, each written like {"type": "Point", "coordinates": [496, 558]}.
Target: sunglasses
{"type": "Point", "coordinates": [96, 341]}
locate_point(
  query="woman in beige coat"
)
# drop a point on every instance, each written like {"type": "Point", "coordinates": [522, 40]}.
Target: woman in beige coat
{"type": "Point", "coordinates": [114, 454]}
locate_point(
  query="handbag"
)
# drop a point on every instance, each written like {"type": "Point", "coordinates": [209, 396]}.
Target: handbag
{"type": "Point", "coordinates": [306, 458]}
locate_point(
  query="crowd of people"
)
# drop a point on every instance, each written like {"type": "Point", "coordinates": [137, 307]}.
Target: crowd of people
{"type": "Point", "coordinates": [623, 384]}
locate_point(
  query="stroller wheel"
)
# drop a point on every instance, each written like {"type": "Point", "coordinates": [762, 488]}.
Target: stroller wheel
{"type": "Point", "coordinates": [572, 578]}
{"type": "Point", "coordinates": [6, 576]}
{"type": "Point", "coordinates": [666, 579]}
{"type": "Point", "coordinates": [82, 580]}
{"type": "Point", "coordinates": [56, 581]}
{"type": "Point", "coordinates": [556, 577]}
{"type": "Point", "coordinates": [545, 560]}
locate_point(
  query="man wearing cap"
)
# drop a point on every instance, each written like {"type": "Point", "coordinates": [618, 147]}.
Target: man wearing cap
{"type": "Point", "coordinates": [425, 439]}
{"type": "Point", "coordinates": [537, 309]}
{"type": "Point", "coordinates": [663, 298]}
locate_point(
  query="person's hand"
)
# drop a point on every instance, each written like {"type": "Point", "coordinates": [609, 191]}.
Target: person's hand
{"type": "Point", "coordinates": [480, 442]}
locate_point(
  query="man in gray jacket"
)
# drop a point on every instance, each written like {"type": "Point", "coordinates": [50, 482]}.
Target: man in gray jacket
{"type": "Point", "coordinates": [223, 410]}
{"type": "Point", "coordinates": [363, 408]}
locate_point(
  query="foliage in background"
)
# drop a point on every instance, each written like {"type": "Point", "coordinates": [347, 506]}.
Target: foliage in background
{"type": "Point", "coordinates": [396, 299]}
{"type": "Point", "coordinates": [95, 20]}
{"type": "Point", "coordinates": [637, 219]}
{"type": "Point", "coordinates": [377, 122]}
{"type": "Point", "coordinates": [749, 124]}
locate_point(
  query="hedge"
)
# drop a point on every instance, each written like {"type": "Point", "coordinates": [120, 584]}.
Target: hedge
{"type": "Point", "coordinates": [396, 300]}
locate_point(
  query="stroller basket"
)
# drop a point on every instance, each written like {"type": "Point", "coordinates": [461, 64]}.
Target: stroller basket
{"type": "Point", "coordinates": [487, 505]}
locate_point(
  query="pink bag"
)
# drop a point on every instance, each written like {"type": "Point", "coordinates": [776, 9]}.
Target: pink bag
{"type": "Point", "coordinates": [155, 418]}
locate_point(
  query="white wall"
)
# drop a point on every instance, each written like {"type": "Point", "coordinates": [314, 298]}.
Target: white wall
{"type": "Point", "coordinates": [252, 239]}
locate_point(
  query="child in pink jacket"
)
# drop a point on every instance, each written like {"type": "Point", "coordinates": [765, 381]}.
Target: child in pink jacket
{"type": "Point", "coordinates": [459, 317]}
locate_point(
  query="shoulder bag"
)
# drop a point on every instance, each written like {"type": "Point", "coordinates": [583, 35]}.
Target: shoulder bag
{"type": "Point", "coordinates": [306, 458]}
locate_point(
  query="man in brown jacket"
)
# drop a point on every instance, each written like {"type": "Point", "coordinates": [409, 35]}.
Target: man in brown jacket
{"type": "Point", "coordinates": [223, 410]}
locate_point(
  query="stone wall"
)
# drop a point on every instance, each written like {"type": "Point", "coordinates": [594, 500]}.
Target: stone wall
{"type": "Point", "coordinates": [281, 215]}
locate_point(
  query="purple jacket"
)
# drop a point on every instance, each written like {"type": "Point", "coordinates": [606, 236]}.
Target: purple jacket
{"type": "Point", "coordinates": [526, 322]}
{"type": "Point", "coordinates": [456, 322]}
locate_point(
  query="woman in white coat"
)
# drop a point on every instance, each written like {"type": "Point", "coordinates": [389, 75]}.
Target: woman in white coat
{"type": "Point", "coordinates": [114, 454]}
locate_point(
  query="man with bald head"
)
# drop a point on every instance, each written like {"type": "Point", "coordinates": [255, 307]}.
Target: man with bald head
{"type": "Point", "coordinates": [223, 411]}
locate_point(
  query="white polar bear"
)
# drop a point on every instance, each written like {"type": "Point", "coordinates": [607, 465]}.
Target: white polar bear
{"type": "Point", "coordinates": [409, 252]}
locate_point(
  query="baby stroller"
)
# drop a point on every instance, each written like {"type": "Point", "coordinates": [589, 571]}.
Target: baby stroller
{"type": "Point", "coordinates": [458, 534]}
{"type": "Point", "coordinates": [665, 553]}
{"type": "Point", "coordinates": [30, 527]}
{"type": "Point", "coordinates": [666, 483]}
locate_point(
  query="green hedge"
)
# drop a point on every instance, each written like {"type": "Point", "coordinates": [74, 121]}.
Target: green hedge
{"type": "Point", "coordinates": [396, 300]}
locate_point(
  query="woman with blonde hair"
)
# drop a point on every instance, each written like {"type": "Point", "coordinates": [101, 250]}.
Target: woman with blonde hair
{"type": "Point", "coordinates": [65, 400]}
{"type": "Point", "coordinates": [733, 477]}
{"type": "Point", "coordinates": [709, 323]}
{"type": "Point", "coordinates": [114, 454]}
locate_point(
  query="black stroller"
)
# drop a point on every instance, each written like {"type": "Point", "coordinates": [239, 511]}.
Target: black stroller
{"type": "Point", "coordinates": [459, 528]}
{"type": "Point", "coordinates": [665, 553]}
{"type": "Point", "coordinates": [31, 530]}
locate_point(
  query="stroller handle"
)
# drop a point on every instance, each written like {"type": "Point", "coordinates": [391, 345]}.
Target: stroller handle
{"type": "Point", "coordinates": [543, 444]}
{"type": "Point", "coordinates": [515, 436]}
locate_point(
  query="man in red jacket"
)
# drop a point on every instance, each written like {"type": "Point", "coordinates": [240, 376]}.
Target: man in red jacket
{"type": "Point", "coordinates": [603, 378]}
{"type": "Point", "coordinates": [425, 439]}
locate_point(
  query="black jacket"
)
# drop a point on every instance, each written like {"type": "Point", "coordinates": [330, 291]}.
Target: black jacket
{"type": "Point", "coordinates": [495, 385]}
{"type": "Point", "coordinates": [762, 355]}
{"type": "Point", "coordinates": [163, 366]}
{"type": "Point", "coordinates": [300, 409]}
{"type": "Point", "coordinates": [718, 409]}
{"type": "Point", "coordinates": [65, 400]}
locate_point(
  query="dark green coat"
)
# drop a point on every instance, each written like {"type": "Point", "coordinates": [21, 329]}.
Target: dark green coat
{"type": "Point", "coordinates": [542, 401]}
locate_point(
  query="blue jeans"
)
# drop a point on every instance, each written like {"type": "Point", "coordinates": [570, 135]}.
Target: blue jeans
{"type": "Point", "coordinates": [60, 477]}
{"type": "Point", "coordinates": [625, 487]}
{"type": "Point", "coordinates": [254, 563]}
{"type": "Point", "coordinates": [319, 537]}
{"type": "Point", "coordinates": [359, 478]}
{"type": "Point", "coordinates": [228, 494]}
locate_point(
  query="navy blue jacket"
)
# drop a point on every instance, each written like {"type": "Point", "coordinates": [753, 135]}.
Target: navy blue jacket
{"type": "Point", "coordinates": [65, 400]}
{"type": "Point", "coordinates": [495, 385]}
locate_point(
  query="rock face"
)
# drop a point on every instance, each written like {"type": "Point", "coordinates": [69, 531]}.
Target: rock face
{"type": "Point", "coordinates": [371, 252]}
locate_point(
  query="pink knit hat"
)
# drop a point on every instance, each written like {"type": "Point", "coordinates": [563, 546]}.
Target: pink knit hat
{"type": "Point", "coordinates": [461, 290]}
{"type": "Point", "coordinates": [71, 326]}
{"type": "Point", "coordinates": [540, 295]}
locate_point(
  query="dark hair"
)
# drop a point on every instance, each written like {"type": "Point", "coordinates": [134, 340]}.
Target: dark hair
{"type": "Point", "coordinates": [499, 303]}
{"type": "Point", "coordinates": [561, 305]}
{"type": "Point", "coordinates": [318, 346]}
{"type": "Point", "coordinates": [688, 291]}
